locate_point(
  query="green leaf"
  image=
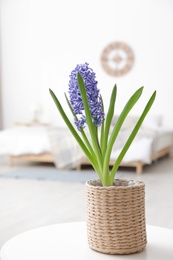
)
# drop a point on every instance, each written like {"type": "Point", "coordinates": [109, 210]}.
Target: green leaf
{"type": "Point", "coordinates": [74, 133]}
{"type": "Point", "coordinates": [102, 127]}
{"type": "Point", "coordinates": [109, 117]}
{"type": "Point", "coordinates": [81, 130]}
{"type": "Point", "coordinates": [71, 109]}
{"type": "Point", "coordinates": [89, 120]}
{"type": "Point", "coordinates": [129, 105]}
{"type": "Point", "coordinates": [132, 136]}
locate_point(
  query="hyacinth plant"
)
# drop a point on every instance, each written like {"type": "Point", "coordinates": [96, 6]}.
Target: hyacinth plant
{"type": "Point", "coordinates": [86, 105]}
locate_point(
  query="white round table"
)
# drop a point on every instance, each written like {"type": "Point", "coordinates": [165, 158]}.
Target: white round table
{"type": "Point", "coordinates": [69, 241]}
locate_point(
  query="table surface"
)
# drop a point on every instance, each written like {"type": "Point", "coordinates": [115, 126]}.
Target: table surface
{"type": "Point", "coordinates": [69, 241]}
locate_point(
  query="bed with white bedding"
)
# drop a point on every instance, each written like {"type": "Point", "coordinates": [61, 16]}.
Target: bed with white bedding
{"type": "Point", "coordinates": [57, 145]}
{"type": "Point", "coordinates": [150, 144]}
{"type": "Point", "coordinates": [29, 143]}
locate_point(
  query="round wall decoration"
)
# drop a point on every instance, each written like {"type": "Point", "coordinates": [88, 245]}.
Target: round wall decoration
{"type": "Point", "coordinates": [117, 59]}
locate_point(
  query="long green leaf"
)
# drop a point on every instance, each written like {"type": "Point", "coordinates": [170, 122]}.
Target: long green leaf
{"type": "Point", "coordinates": [129, 105]}
{"type": "Point", "coordinates": [71, 109]}
{"type": "Point", "coordinates": [132, 135]}
{"type": "Point", "coordinates": [73, 131]}
{"type": "Point", "coordinates": [81, 130]}
{"type": "Point", "coordinates": [89, 120]}
{"type": "Point", "coordinates": [109, 117]}
{"type": "Point", "coordinates": [102, 127]}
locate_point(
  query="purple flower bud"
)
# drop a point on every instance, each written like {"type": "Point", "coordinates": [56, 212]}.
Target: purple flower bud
{"type": "Point", "coordinates": [80, 123]}
{"type": "Point", "coordinates": [92, 91]}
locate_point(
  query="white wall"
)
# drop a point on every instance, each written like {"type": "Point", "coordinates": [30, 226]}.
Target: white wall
{"type": "Point", "coordinates": [43, 40]}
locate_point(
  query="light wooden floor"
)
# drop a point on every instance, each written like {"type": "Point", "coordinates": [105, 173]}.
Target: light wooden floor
{"type": "Point", "coordinates": [26, 204]}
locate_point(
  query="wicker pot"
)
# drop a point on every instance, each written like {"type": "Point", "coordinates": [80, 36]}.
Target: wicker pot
{"type": "Point", "coordinates": [116, 216]}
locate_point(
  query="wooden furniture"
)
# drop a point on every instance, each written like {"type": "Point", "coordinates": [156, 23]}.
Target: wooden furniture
{"type": "Point", "coordinates": [138, 165]}
{"type": "Point", "coordinates": [69, 241]}
{"type": "Point", "coordinates": [48, 158]}
{"type": "Point", "coordinates": [44, 157]}
{"type": "Point", "coordinates": [37, 142]}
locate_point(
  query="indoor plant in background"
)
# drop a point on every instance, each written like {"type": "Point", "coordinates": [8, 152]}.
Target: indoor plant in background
{"type": "Point", "coordinates": [115, 207]}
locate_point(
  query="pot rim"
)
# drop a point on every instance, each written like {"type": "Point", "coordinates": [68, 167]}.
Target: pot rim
{"type": "Point", "coordinates": [118, 184]}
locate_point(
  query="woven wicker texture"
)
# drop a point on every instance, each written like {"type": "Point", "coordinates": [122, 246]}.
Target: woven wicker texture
{"type": "Point", "coordinates": [116, 216]}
